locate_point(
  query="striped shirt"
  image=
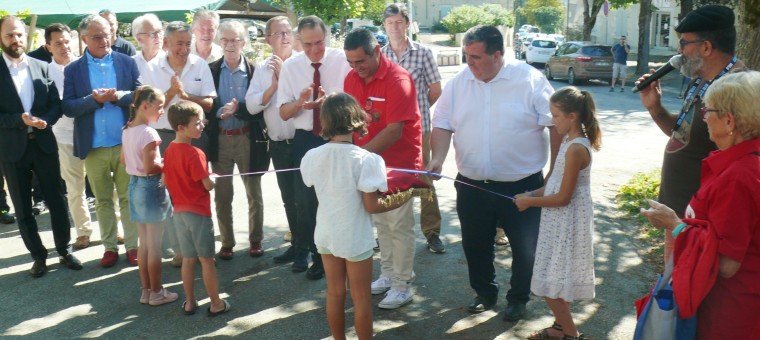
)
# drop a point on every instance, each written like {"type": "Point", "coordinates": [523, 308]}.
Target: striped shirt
{"type": "Point", "coordinates": [418, 60]}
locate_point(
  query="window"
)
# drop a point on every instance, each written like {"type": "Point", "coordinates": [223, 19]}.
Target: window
{"type": "Point", "coordinates": [572, 48]}
{"type": "Point", "coordinates": [597, 51]}
{"type": "Point", "coordinates": [544, 44]}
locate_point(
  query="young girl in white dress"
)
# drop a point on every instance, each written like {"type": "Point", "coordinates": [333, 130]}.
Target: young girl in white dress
{"type": "Point", "coordinates": [564, 266]}
{"type": "Point", "coordinates": [348, 181]}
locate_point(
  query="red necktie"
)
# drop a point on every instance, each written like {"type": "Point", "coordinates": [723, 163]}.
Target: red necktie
{"type": "Point", "coordinates": [315, 94]}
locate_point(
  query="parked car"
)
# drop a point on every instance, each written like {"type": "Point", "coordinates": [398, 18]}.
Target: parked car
{"type": "Point", "coordinates": [579, 61]}
{"type": "Point", "coordinates": [557, 37]}
{"type": "Point", "coordinates": [540, 50]}
{"type": "Point", "coordinates": [382, 39]}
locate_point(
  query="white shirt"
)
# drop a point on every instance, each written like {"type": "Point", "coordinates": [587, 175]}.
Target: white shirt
{"type": "Point", "coordinates": [64, 128]}
{"type": "Point", "coordinates": [22, 79]}
{"type": "Point", "coordinates": [196, 79]}
{"type": "Point", "coordinates": [216, 52]}
{"type": "Point", "coordinates": [148, 73]}
{"type": "Point", "coordinates": [277, 129]}
{"type": "Point", "coordinates": [340, 173]}
{"type": "Point", "coordinates": [499, 127]}
{"type": "Point", "coordinates": [297, 73]}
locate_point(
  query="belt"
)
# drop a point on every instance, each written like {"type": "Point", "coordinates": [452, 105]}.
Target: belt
{"type": "Point", "coordinates": [284, 141]}
{"type": "Point", "coordinates": [233, 132]}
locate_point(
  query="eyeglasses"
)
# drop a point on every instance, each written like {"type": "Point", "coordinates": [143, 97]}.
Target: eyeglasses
{"type": "Point", "coordinates": [705, 111]}
{"type": "Point", "coordinates": [225, 41]}
{"type": "Point", "coordinates": [683, 43]}
{"type": "Point", "coordinates": [100, 37]}
{"type": "Point", "coordinates": [153, 34]}
{"type": "Point", "coordinates": [281, 34]}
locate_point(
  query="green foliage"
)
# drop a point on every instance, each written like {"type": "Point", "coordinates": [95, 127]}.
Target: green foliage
{"type": "Point", "coordinates": [574, 33]}
{"type": "Point", "coordinates": [334, 10]}
{"type": "Point", "coordinates": [20, 14]}
{"type": "Point", "coordinates": [462, 18]}
{"type": "Point", "coordinates": [531, 6]}
{"type": "Point", "coordinates": [438, 27]}
{"type": "Point", "coordinates": [634, 195]}
{"type": "Point", "coordinates": [550, 19]}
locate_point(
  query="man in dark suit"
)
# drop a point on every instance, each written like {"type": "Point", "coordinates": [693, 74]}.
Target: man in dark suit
{"type": "Point", "coordinates": [97, 93]}
{"type": "Point", "coordinates": [236, 137]}
{"type": "Point", "coordinates": [29, 109]}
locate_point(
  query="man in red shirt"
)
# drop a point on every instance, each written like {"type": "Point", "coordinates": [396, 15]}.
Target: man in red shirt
{"type": "Point", "coordinates": [386, 92]}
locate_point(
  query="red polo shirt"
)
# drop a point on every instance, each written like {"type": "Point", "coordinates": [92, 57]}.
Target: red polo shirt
{"type": "Point", "coordinates": [729, 197]}
{"type": "Point", "coordinates": [388, 98]}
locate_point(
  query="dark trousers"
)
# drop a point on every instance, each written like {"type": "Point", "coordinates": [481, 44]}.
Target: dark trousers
{"type": "Point", "coordinates": [282, 158]}
{"type": "Point", "coordinates": [480, 213]}
{"type": "Point", "coordinates": [3, 200]}
{"type": "Point", "coordinates": [306, 197]}
{"type": "Point", "coordinates": [19, 177]}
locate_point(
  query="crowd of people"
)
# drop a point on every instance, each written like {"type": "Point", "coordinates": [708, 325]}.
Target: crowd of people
{"type": "Point", "coordinates": [342, 117]}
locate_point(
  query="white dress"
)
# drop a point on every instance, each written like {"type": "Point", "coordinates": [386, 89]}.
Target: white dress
{"type": "Point", "coordinates": [564, 265]}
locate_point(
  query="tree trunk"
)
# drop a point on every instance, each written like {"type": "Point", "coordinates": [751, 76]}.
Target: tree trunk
{"type": "Point", "coordinates": [590, 11]}
{"type": "Point", "coordinates": [748, 40]}
{"type": "Point", "coordinates": [645, 24]}
{"type": "Point", "coordinates": [686, 7]}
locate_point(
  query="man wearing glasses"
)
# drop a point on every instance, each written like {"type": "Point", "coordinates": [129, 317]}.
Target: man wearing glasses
{"type": "Point", "coordinates": [620, 52]}
{"type": "Point", "coordinates": [148, 31]}
{"type": "Point", "coordinates": [707, 46]}
{"type": "Point", "coordinates": [97, 93]}
{"type": "Point", "coordinates": [236, 138]}
{"type": "Point", "coordinates": [262, 98]}
{"type": "Point", "coordinates": [304, 81]}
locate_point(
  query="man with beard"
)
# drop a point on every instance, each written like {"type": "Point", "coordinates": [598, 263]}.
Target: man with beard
{"type": "Point", "coordinates": [30, 107]}
{"type": "Point", "coordinates": [707, 46]}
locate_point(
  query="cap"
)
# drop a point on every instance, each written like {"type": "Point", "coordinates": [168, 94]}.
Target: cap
{"type": "Point", "coordinates": [707, 18]}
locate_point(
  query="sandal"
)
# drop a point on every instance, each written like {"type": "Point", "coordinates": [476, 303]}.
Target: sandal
{"type": "Point", "coordinates": [192, 311]}
{"type": "Point", "coordinates": [501, 238]}
{"type": "Point", "coordinates": [580, 336]}
{"type": "Point", "coordinates": [217, 313]}
{"type": "Point", "coordinates": [544, 333]}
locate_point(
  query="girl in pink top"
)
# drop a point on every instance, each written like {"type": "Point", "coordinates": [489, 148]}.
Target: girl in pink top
{"type": "Point", "coordinates": [149, 202]}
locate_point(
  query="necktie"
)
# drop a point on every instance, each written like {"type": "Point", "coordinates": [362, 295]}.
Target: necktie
{"type": "Point", "coordinates": [315, 94]}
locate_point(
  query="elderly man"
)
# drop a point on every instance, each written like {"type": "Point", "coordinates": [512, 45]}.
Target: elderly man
{"type": "Point", "coordinates": [488, 108]}
{"type": "Point", "coordinates": [419, 61]}
{"type": "Point", "coordinates": [30, 108]}
{"type": "Point", "coordinates": [149, 32]}
{"type": "Point", "coordinates": [234, 139]}
{"type": "Point", "coordinates": [260, 97]}
{"type": "Point", "coordinates": [707, 45]}
{"type": "Point", "coordinates": [304, 80]}
{"type": "Point", "coordinates": [118, 43]}
{"type": "Point", "coordinates": [97, 93]}
{"type": "Point", "coordinates": [390, 100]}
{"type": "Point", "coordinates": [205, 24]}
{"type": "Point", "coordinates": [57, 39]}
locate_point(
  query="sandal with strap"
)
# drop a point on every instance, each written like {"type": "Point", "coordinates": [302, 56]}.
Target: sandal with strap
{"type": "Point", "coordinates": [580, 336]}
{"type": "Point", "coordinates": [544, 333]}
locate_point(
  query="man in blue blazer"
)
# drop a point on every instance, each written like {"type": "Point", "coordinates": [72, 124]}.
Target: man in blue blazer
{"type": "Point", "coordinates": [29, 108]}
{"type": "Point", "coordinates": [97, 93]}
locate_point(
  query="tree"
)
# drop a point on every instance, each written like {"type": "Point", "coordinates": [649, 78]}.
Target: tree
{"type": "Point", "coordinates": [461, 18]}
{"type": "Point", "coordinates": [645, 18]}
{"type": "Point", "coordinates": [331, 10]}
{"type": "Point", "coordinates": [548, 18]}
{"type": "Point", "coordinates": [532, 5]}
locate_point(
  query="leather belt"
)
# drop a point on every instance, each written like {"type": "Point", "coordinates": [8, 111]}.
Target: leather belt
{"type": "Point", "coordinates": [234, 132]}
{"type": "Point", "coordinates": [284, 141]}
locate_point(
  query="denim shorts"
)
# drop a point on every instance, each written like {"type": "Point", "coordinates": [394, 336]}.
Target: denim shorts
{"type": "Point", "coordinates": [195, 234]}
{"type": "Point", "coordinates": [148, 200]}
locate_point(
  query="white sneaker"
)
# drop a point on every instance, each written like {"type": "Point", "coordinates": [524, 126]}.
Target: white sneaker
{"type": "Point", "coordinates": [163, 296]}
{"type": "Point", "coordinates": [381, 285]}
{"type": "Point", "coordinates": [395, 299]}
{"type": "Point", "coordinates": [145, 296]}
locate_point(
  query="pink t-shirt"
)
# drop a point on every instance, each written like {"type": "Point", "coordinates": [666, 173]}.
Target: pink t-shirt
{"type": "Point", "coordinates": [133, 142]}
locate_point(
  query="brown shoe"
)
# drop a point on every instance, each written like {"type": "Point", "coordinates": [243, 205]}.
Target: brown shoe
{"type": "Point", "coordinates": [225, 253]}
{"type": "Point", "coordinates": [177, 261]}
{"type": "Point", "coordinates": [132, 257]}
{"type": "Point", "coordinates": [82, 242]}
{"type": "Point", "coordinates": [256, 249]}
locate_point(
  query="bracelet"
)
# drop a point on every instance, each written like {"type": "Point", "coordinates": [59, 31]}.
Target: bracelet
{"type": "Point", "coordinates": [678, 229]}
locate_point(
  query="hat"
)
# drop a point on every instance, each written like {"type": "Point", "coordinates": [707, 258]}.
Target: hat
{"type": "Point", "coordinates": [707, 18]}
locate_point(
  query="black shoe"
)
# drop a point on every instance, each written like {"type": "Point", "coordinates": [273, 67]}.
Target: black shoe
{"type": "Point", "coordinates": [435, 245]}
{"type": "Point", "coordinates": [514, 312]}
{"type": "Point", "coordinates": [39, 208]}
{"type": "Point", "coordinates": [300, 261]}
{"type": "Point", "coordinates": [38, 268]}
{"type": "Point", "coordinates": [317, 270]}
{"type": "Point", "coordinates": [288, 256]}
{"type": "Point", "coordinates": [70, 261]}
{"type": "Point", "coordinates": [481, 304]}
{"type": "Point", "coordinates": [377, 245]}
{"type": "Point", "coordinates": [6, 217]}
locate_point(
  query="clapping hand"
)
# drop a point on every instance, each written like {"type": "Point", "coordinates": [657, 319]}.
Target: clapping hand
{"type": "Point", "coordinates": [33, 121]}
{"type": "Point", "coordinates": [103, 96]}
{"type": "Point", "coordinates": [229, 109]}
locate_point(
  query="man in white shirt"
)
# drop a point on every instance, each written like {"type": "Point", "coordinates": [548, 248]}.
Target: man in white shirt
{"type": "Point", "coordinates": [57, 39]}
{"type": "Point", "coordinates": [262, 98]}
{"type": "Point", "coordinates": [419, 61]}
{"type": "Point", "coordinates": [498, 115]}
{"type": "Point", "coordinates": [205, 24]}
{"type": "Point", "coordinates": [304, 80]}
{"type": "Point", "coordinates": [180, 75]}
{"type": "Point", "coordinates": [149, 33]}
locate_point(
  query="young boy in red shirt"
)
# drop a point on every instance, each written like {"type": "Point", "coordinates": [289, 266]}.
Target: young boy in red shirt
{"type": "Point", "coordinates": [187, 178]}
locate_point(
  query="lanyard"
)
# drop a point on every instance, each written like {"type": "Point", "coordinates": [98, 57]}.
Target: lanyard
{"type": "Point", "coordinates": [691, 99]}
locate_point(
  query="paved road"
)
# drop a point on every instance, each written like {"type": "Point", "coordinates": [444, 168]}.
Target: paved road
{"type": "Point", "coordinates": [270, 302]}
